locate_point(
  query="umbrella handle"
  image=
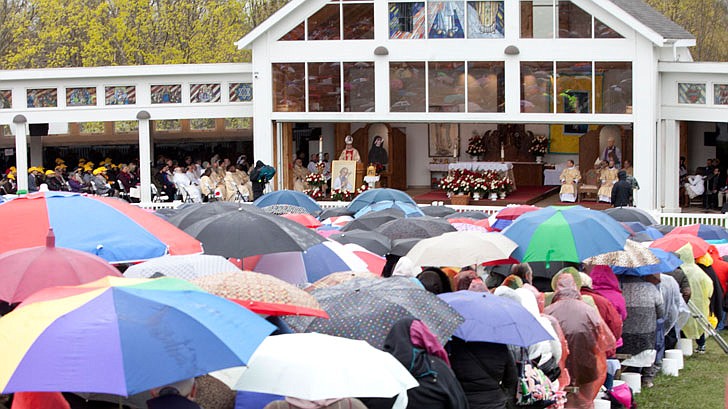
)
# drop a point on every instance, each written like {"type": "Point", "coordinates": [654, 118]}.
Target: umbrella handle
{"type": "Point", "coordinates": [548, 258]}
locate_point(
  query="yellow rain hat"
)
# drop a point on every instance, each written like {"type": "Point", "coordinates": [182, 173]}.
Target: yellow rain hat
{"type": "Point", "coordinates": [99, 170]}
{"type": "Point", "coordinates": [49, 172]}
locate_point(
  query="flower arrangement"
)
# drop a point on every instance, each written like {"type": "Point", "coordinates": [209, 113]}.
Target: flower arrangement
{"type": "Point", "coordinates": [539, 145]}
{"type": "Point", "coordinates": [362, 189]}
{"type": "Point", "coordinates": [316, 193]}
{"type": "Point", "coordinates": [466, 182]}
{"type": "Point", "coordinates": [341, 195]}
{"type": "Point", "coordinates": [476, 145]}
{"type": "Point", "coordinates": [315, 180]}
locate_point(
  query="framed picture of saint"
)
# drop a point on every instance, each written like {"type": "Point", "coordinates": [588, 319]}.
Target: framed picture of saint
{"type": "Point", "coordinates": [343, 175]}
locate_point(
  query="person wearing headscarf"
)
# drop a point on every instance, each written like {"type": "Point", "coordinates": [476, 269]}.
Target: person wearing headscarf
{"type": "Point", "coordinates": [574, 273]}
{"type": "Point", "coordinates": [463, 279]}
{"type": "Point", "coordinates": [415, 347]}
{"type": "Point", "coordinates": [606, 284]}
{"type": "Point", "coordinates": [606, 310]}
{"type": "Point", "coordinates": [377, 153]}
{"type": "Point", "coordinates": [299, 175]}
{"type": "Point", "coordinates": [588, 338]}
{"type": "Point", "coordinates": [701, 287]}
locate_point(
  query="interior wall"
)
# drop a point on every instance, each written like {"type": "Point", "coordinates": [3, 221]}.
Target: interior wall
{"type": "Point", "coordinates": [698, 153]}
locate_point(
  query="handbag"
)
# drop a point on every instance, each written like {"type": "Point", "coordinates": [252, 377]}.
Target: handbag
{"type": "Point", "coordinates": [534, 387]}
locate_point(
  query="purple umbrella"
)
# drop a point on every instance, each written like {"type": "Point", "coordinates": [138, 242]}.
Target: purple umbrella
{"type": "Point", "coordinates": [489, 318]}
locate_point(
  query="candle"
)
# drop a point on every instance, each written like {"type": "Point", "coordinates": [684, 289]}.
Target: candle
{"type": "Point", "coordinates": [321, 148]}
{"type": "Point", "coordinates": [503, 155]}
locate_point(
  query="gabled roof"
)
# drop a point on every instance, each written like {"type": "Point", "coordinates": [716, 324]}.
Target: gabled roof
{"type": "Point", "coordinates": [256, 32]}
{"type": "Point", "coordinates": [654, 20]}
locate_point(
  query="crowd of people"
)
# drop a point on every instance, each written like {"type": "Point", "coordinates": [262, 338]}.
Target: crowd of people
{"type": "Point", "coordinates": [191, 180]}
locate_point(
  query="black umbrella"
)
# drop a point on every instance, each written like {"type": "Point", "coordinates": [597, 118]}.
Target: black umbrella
{"type": "Point", "coordinates": [374, 242]}
{"type": "Point", "coordinates": [663, 228]}
{"type": "Point", "coordinates": [416, 227]}
{"type": "Point", "coordinates": [630, 214]}
{"type": "Point", "coordinates": [167, 212]}
{"type": "Point", "coordinates": [243, 233]}
{"type": "Point", "coordinates": [401, 247]}
{"type": "Point", "coordinates": [200, 211]}
{"type": "Point", "coordinates": [372, 220]}
{"type": "Point", "coordinates": [437, 211]}
{"type": "Point", "coordinates": [335, 212]}
{"type": "Point", "coordinates": [470, 215]}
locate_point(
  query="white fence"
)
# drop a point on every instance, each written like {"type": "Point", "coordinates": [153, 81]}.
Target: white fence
{"type": "Point", "coordinates": [682, 219]}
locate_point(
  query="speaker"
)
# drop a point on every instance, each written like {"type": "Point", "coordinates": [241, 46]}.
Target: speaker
{"type": "Point", "coordinates": [38, 129]}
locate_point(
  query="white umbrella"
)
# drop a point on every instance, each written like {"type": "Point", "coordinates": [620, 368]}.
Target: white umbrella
{"type": "Point", "coordinates": [185, 267]}
{"type": "Point", "coordinates": [461, 248]}
{"type": "Point", "coordinates": [316, 366]}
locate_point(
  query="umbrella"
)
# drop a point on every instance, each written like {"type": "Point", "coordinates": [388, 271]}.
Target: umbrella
{"type": "Point", "coordinates": [378, 195]}
{"type": "Point", "coordinates": [335, 211]}
{"type": "Point", "coordinates": [489, 318]}
{"type": "Point", "coordinates": [663, 228]}
{"type": "Point", "coordinates": [288, 197]}
{"type": "Point", "coordinates": [437, 211]}
{"type": "Point", "coordinates": [462, 248]}
{"type": "Point", "coordinates": [400, 247]}
{"type": "Point", "coordinates": [514, 212]}
{"type": "Point", "coordinates": [418, 227]}
{"type": "Point", "coordinates": [631, 214]}
{"type": "Point", "coordinates": [472, 214]}
{"type": "Point", "coordinates": [305, 220]}
{"type": "Point", "coordinates": [409, 209]}
{"type": "Point", "coordinates": [327, 231]}
{"type": "Point", "coordinates": [201, 211]}
{"type": "Point", "coordinates": [501, 224]}
{"type": "Point", "coordinates": [565, 233]}
{"type": "Point", "coordinates": [704, 231]}
{"type": "Point", "coordinates": [337, 221]}
{"type": "Point", "coordinates": [123, 336]}
{"type": "Point", "coordinates": [372, 241]}
{"type": "Point", "coordinates": [366, 309]}
{"type": "Point", "coordinates": [280, 209]}
{"type": "Point", "coordinates": [298, 267]}
{"type": "Point", "coordinates": [338, 278]}
{"type": "Point", "coordinates": [673, 242]}
{"type": "Point", "coordinates": [107, 227]}
{"type": "Point", "coordinates": [261, 293]}
{"type": "Point", "coordinates": [242, 234]}
{"type": "Point", "coordinates": [184, 267]}
{"type": "Point", "coordinates": [467, 224]}
{"type": "Point", "coordinates": [375, 263]}
{"type": "Point", "coordinates": [667, 262]}
{"type": "Point", "coordinates": [318, 366]}
{"type": "Point", "coordinates": [650, 231]}
{"type": "Point", "coordinates": [25, 271]}
{"type": "Point", "coordinates": [634, 255]}
{"type": "Point", "coordinates": [371, 221]}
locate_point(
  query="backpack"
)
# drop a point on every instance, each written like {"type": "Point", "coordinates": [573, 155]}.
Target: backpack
{"type": "Point", "coordinates": [266, 173]}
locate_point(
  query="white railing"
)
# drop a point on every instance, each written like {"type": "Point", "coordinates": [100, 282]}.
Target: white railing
{"type": "Point", "coordinates": [683, 219]}
{"type": "Point", "coordinates": [158, 205]}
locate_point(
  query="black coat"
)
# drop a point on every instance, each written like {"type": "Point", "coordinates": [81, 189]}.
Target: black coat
{"type": "Point", "coordinates": [622, 191]}
{"type": "Point", "coordinates": [486, 371]}
{"type": "Point", "coordinates": [439, 388]}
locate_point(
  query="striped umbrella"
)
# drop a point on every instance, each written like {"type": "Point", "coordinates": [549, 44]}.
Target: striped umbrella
{"type": "Point", "coordinates": [704, 231]}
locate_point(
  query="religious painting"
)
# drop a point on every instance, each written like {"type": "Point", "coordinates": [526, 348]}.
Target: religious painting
{"type": "Point", "coordinates": [343, 175]}
{"type": "Point", "coordinates": [43, 98]}
{"type": "Point", "coordinates": [688, 93]}
{"type": "Point", "coordinates": [486, 19]}
{"type": "Point", "coordinates": [121, 95]}
{"type": "Point", "coordinates": [6, 99]}
{"type": "Point", "coordinates": [445, 19]}
{"type": "Point", "coordinates": [166, 94]}
{"type": "Point", "coordinates": [126, 126]}
{"type": "Point", "coordinates": [444, 140]}
{"type": "Point", "coordinates": [81, 97]}
{"type": "Point", "coordinates": [720, 94]}
{"type": "Point", "coordinates": [91, 127]}
{"type": "Point", "coordinates": [241, 92]}
{"type": "Point", "coordinates": [204, 93]}
{"type": "Point", "coordinates": [407, 20]}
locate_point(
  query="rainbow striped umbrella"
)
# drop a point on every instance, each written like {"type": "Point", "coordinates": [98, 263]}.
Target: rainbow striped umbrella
{"type": "Point", "coordinates": [123, 336]}
{"type": "Point", "coordinates": [106, 227]}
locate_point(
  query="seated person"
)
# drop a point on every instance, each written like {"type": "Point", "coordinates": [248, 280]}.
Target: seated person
{"type": "Point", "coordinates": [569, 178]}
{"type": "Point", "coordinates": [695, 185]}
{"type": "Point", "coordinates": [608, 177]}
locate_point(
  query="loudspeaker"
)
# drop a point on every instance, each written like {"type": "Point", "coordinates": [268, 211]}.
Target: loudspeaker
{"type": "Point", "coordinates": [38, 129]}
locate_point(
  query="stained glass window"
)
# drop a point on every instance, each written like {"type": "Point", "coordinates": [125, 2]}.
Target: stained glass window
{"type": "Point", "coordinates": [691, 93]}
{"type": "Point", "coordinates": [407, 20]}
{"type": "Point", "coordinates": [446, 19]}
{"type": "Point", "coordinates": [486, 19]}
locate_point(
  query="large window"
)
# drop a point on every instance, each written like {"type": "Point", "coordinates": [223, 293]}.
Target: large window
{"type": "Point", "coordinates": [289, 87]}
{"type": "Point", "coordinates": [560, 19]}
{"type": "Point", "coordinates": [537, 87]}
{"type": "Point", "coordinates": [446, 81]}
{"type": "Point", "coordinates": [407, 86]}
{"type": "Point", "coordinates": [613, 91]}
{"type": "Point", "coordinates": [486, 87]}
{"type": "Point", "coordinates": [446, 19]}
{"type": "Point", "coordinates": [574, 87]}
{"type": "Point", "coordinates": [359, 87]}
{"type": "Point", "coordinates": [324, 87]}
{"type": "Point", "coordinates": [338, 19]}
{"type": "Point", "coordinates": [324, 25]}
{"type": "Point", "coordinates": [358, 21]}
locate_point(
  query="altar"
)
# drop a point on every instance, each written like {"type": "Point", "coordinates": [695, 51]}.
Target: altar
{"type": "Point", "coordinates": [502, 167]}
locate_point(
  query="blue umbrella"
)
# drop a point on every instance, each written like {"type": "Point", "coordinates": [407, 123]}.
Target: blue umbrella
{"type": "Point", "coordinates": [501, 224]}
{"type": "Point", "coordinates": [288, 197]}
{"type": "Point", "coordinates": [378, 195]}
{"type": "Point", "coordinates": [668, 262]}
{"type": "Point", "coordinates": [650, 231]}
{"type": "Point", "coordinates": [489, 318]}
{"type": "Point", "coordinates": [409, 209]}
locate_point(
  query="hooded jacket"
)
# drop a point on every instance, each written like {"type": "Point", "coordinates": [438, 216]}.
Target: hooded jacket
{"type": "Point", "coordinates": [701, 287]}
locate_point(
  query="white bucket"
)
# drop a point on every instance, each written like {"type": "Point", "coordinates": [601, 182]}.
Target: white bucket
{"type": "Point", "coordinates": [602, 404]}
{"type": "Point", "coordinates": [686, 346]}
{"type": "Point", "coordinates": [677, 355]}
{"type": "Point", "coordinates": [617, 383]}
{"type": "Point", "coordinates": [670, 367]}
{"type": "Point", "coordinates": [634, 380]}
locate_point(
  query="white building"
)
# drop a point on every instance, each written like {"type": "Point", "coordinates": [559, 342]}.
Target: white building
{"type": "Point", "coordinates": [576, 71]}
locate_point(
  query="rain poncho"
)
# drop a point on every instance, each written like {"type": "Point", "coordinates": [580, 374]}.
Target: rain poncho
{"type": "Point", "coordinates": [605, 283]}
{"type": "Point", "coordinates": [588, 337]}
{"type": "Point", "coordinates": [676, 312]}
{"type": "Point", "coordinates": [701, 287]}
{"type": "Point", "coordinates": [548, 297]}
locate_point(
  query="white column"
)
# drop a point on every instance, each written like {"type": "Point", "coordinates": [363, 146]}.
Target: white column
{"type": "Point", "coordinates": [21, 150]}
{"type": "Point", "coordinates": [145, 157]}
{"type": "Point", "coordinates": [36, 150]}
{"type": "Point", "coordinates": [645, 91]}
{"type": "Point", "coordinates": [263, 102]}
{"type": "Point", "coordinates": [670, 173]}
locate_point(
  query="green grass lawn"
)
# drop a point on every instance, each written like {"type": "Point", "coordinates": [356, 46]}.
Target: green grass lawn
{"type": "Point", "coordinates": [701, 383]}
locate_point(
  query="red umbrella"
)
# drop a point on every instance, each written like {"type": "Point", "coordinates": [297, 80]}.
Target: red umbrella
{"type": "Point", "coordinates": [375, 263]}
{"type": "Point", "coordinates": [25, 271]}
{"type": "Point", "coordinates": [303, 219]}
{"type": "Point", "coordinates": [673, 242]}
{"type": "Point", "coordinates": [513, 212]}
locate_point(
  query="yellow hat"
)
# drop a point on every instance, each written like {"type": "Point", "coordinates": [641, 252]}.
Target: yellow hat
{"type": "Point", "coordinates": [12, 168]}
{"type": "Point", "coordinates": [59, 161]}
{"type": "Point", "coordinates": [61, 166]}
{"type": "Point", "coordinates": [49, 172]}
{"type": "Point", "coordinates": [32, 169]}
{"type": "Point", "coordinates": [88, 167]}
{"type": "Point", "coordinates": [99, 170]}
{"type": "Point", "coordinates": [11, 176]}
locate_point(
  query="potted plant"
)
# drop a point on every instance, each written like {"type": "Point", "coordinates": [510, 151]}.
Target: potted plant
{"type": "Point", "coordinates": [539, 147]}
{"type": "Point", "coordinates": [476, 146]}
